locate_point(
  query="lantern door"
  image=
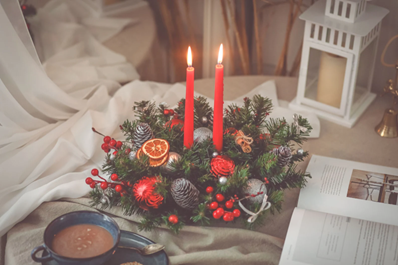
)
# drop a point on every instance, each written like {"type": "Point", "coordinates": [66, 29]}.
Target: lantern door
{"type": "Point", "coordinates": [325, 77]}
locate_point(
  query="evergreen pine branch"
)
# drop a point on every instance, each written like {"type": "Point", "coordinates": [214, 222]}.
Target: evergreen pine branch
{"type": "Point", "coordinates": [149, 222]}
{"type": "Point", "coordinates": [202, 109]}
{"type": "Point", "coordinates": [174, 227]}
{"type": "Point", "coordinates": [200, 215]}
{"type": "Point", "coordinates": [236, 182]}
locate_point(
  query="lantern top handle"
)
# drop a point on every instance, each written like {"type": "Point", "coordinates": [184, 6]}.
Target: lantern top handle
{"type": "Point", "coordinates": [362, 25]}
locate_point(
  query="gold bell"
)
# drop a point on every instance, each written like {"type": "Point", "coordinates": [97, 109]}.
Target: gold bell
{"type": "Point", "coordinates": [388, 126]}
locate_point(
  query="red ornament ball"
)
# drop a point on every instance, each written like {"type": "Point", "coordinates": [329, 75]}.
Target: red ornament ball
{"type": "Point", "coordinates": [209, 189]}
{"type": "Point", "coordinates": [219, 197]}
{"type": "Point", "coordinates": [94, 172]}
{"type": "Point", "coordinates": [104, 185]}
{"type": "Point", "coordinates": [114, 177]}
{"type": "Point", "coordinates": [112, 142]}
{"type": "Point", "coordinates": [173, 219]}
{"type": "Point", "coordinates": [171, 112]}
{"type": "Point", "coordinates": [118, 188]}
{"type": "Point", "coordinates": [107, 139]}
{"type": "Point", "coordinates": [229, 204]}
{"type": "Point", "coordinates": [119, 144]}
{"type": "Point", "coordinates": [92, 185]}
{"type": "Point", "coordinates": [215, 215]}
{"type": "Point", "coordinates": [89, 181]}
{"type": "Point", "coordinates": [222, 166]}
{"type": "Point", "coordinates": [166, 112]}
{"type": "Point", "coordinates": [236, 213]}
{"type": "Point", "coordinates": [144, 192]}
{"type": "Point", "coordinates": [213, 206]}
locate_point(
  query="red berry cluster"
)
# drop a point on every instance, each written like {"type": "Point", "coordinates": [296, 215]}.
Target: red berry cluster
{"type": "Point", "coordinates": [118, 186]}
{"type": "Point", "coordinates": [110, 143]}
{"type": "Point", "coordinates": [237, 109]}
{"type": "Point", "coordinates": [266, 181]}
{"type": "Point", "coordinates": [168, 112]}
{"type": "Point", "coordinates": [219, 208]}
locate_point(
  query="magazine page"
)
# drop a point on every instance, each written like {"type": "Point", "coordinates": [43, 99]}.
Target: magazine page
{"type": "Point", "coordinates": [352, 189]}
{"type": "Point", "coordinates": [316, 238]}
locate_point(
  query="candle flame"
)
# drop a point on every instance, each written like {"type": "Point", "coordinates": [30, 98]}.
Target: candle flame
{"type": "Point", "coordinates": [220, 53]}
{"type": "Point", "coordinates": [189, 57]}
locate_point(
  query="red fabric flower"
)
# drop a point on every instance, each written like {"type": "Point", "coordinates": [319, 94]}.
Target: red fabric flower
{"type": "Point", "coordinates": [144, 191]}
{"type": "Point", "coordinates": [222, 166]}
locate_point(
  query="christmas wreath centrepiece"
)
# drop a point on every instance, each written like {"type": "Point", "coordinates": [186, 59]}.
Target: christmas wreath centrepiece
{"type": "Point", "coordinates": [154, 175]}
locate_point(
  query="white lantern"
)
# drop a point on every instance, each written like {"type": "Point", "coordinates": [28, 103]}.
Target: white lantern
{"type": "Point", "coordinates": [338, 58]}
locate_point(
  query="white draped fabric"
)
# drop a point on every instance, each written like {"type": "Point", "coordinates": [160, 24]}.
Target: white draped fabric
{"type": "Point", "coordinates": [47, 147]}
{"type": "Point", "coordinates": [46, 112]}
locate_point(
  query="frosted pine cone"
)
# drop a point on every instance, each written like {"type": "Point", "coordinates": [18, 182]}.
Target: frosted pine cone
{"type": "Point", "coordinates": [185, 194]}
{"type": "Point", "coordinates": [284, 155]}
{"type": "Point", "coordinates": [142, 134]}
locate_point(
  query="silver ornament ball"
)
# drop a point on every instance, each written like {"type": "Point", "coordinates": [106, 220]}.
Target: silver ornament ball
{"type": "Point", "coordinates": [223, 180]}
{"type": "Point", "coordinates": [204, 120]}
{"type": "Point", "coordinates": [103, 200]}
{"type": "Point", "coordinates": [201, 134]}
{"type": "Point", "coordinates": [300, 152]}
{"type": "Point", "coordinates": [215, 154]}
{"type": "Point", "coordinates": [112, 157]}
{"type": "Point", "coordinates": [132, 155]}
{"type": "Point", "coordinates": [254, 186]}
{"type": "Point", "coordinates": [173, 158]}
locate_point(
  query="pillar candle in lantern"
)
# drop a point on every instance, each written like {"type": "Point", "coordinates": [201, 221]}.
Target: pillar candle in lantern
{"type": "Point", "coordinates": [189, 103]}
{"type": "Point", "coordinates": [218, 103]}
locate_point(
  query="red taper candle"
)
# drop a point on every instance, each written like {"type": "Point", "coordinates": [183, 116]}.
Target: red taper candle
{"type": "Point", "coordinates": [189, 103]}
{"type": "Point", "coordinates": [218, 130]}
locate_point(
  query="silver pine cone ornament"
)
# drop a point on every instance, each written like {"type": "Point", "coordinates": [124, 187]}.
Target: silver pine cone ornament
{"type": "Point", "coordinates": [185, 194]}
{"type": "Point", "coordinates": [143, 133]}
{"type": "Point", "coordinates": [284, 155]}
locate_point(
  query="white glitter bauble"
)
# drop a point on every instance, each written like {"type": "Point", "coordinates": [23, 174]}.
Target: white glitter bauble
{"type": "Point", "coordinates": [173, 158]}
{"type": "Point", "coordinates": [132, 155]}
{"type": "Point", "coordinates": [254, 186]}
{"type": "Point", "coordinates": [103, 200]}
{"type": "Point", "coordinates": [215, 154]}
{"type": "Point", "coordinates": [201, 134]}
{"type": "Point", "coordinates": [112, 157]}
{"type": "Point", "coordinates": [223, 180]}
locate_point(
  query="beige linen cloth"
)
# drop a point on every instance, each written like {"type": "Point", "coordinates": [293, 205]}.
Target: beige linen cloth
{"type": "Point", "coordinates": [194, 244]}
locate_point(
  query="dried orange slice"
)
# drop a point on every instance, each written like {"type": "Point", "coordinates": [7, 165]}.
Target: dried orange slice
{"type": "Point", "coordinates": [153, 162]}
{"type": "Point", "coordinates": [156, 148]}
{"type": "Point", "coordinates": [158, 162]}
{"type": "Point", "coordinates": [139, 153]}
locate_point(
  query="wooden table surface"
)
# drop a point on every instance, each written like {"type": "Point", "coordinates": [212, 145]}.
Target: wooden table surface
{"type": "Point", "coordinates": [359, 143]}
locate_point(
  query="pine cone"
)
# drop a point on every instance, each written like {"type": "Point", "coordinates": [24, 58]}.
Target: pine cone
{"type": "Point", "coordinates": [185, 194]}
{"type": "Point", "coordinates": [284, 155]}
{"type": "Point", "coordinates": [142, 134]}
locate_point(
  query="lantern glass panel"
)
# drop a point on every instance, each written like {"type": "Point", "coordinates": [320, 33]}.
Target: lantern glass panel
{"type": "Point", "coordinates": [365, 70]}
{"type": "Point", "coordinates": [325, 77]}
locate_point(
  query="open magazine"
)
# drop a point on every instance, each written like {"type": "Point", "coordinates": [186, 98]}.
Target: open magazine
{"type": "Point", "coordinates": [347, 214]}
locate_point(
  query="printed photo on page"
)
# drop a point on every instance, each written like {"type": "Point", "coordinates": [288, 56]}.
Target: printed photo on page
{"type": "Point", "coordinates": [352, 189]}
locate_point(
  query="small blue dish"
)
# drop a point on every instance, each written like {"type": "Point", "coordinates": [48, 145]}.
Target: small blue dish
{"type": "Point", "coordinates": [130, 239]}
{"type": "Point", "coordinates": [76, 218]}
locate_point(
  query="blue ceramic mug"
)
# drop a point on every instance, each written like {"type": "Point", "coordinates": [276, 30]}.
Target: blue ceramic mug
{"type": "Point", "coordinates": [76, 218]}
